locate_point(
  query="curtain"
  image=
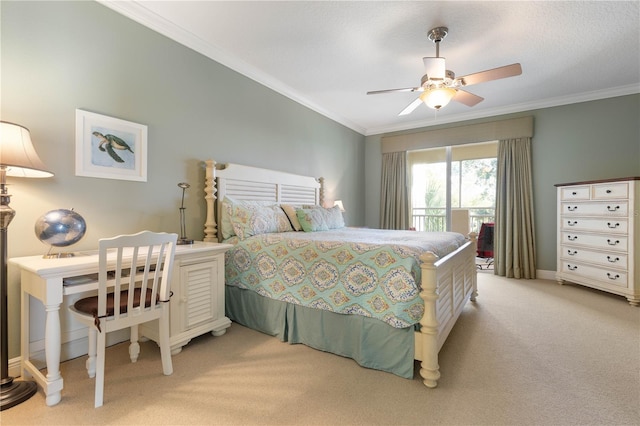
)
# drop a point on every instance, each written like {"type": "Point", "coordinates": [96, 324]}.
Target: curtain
{"type": "Point", "coordinates": [394, 197]}
{"type": "Point", "coordinates": [514, 242]}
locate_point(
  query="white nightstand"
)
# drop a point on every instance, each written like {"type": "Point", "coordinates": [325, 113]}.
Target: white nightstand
{"type": "Point", "coordinates": [197, 303]}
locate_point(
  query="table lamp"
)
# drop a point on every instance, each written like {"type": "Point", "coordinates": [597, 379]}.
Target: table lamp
{"type": "Point", "coordinates": [183, 228]}
{"type": "Point", "coordinates": [17, 158]}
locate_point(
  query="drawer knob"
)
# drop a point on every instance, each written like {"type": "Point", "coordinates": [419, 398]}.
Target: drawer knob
{"type": "Point", "coordinates": [572, 208]}
{"type": "Point", "coordinates": [608, 191]}
{"type": "Point", "coordinates": [570, 223]}
{"type": "Point", "coordinates": [572, 238]}
{"type": "Point", "coordinates": [613, 243]}
{"type": "Point", "coordinates": [613, 209]}
{"type": "Point", "coordinates": [613, 277]}
{"type": "Point", "coordinates": [614, 226]}
{"type": "Point", "coordinates": [572, 268]}
{"type": "Point", "coordinates": [572, 253]}
{"type": "Point", "coordinates": [613, 260]}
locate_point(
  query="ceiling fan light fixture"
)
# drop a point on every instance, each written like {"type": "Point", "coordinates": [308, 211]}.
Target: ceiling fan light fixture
{"type": "Point", "coordinates": [438, 97]}
{"type": "Point", "coordinates": [434, 68]}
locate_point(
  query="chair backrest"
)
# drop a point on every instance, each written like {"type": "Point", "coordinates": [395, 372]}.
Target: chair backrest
{"type": "Point", "coordinates": [143, 261]}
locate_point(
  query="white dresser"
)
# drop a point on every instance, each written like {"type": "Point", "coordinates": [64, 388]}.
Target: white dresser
{"type": "Point", "coordinates": [598, 236]}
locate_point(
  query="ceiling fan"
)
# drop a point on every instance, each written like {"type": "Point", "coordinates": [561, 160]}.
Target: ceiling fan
{"type": "Point", "coordinates": [440, 85]}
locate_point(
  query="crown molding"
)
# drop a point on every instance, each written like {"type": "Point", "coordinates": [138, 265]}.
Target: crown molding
{"type": "Point", "coordinates": [510, 109]}
{"type": "Point", "coordinates": [137, 12]}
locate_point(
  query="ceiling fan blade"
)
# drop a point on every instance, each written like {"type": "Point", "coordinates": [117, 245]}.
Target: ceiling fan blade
{"type": "Point", "coordinates": [406, 89]}
{"type": "Point", "coordinates": [493, 74]}
{"type": "Point", "coordinates": [469, 99]}
{"type": "Point", "coordinates": [413, 105]}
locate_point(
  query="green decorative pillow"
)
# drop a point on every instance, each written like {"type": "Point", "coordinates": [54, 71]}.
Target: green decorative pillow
{"type": "Point", "coordinates": [312, 220]}
{"type": "Point", "coordinates": [331, 218]}
{"type": "Point", "coordinates": [248, 220]}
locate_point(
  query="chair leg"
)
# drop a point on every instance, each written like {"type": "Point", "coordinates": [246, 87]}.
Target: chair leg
{"type": "Point", "coordinates": [165, 344]}
{"type": "Point", "coordinates": [91, 361]}
{"type": "Point", "coordinates": [134, 346]}
{"type": "Point", "coordinates": [100, 361]}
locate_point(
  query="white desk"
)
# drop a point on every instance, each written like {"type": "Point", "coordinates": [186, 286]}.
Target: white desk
{"type": "Point", "coordinates": [43, 279]}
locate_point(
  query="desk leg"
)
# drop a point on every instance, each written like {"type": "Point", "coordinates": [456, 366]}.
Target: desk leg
{"type": "Point", "coordinates": [52, 342]}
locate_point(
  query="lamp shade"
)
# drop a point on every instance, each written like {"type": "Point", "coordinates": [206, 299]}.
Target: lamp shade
{"type": "Point", "coordinates": [437, 98]}
{"type": "Point", "coordinates": [17, 155]}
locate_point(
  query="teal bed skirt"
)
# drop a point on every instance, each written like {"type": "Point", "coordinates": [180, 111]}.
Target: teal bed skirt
{"type": "Point", "coordinates": [370, 342]}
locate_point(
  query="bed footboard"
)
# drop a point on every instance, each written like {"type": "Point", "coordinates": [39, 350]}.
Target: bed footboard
{"type": "Point", "coordinates": [447, 285]}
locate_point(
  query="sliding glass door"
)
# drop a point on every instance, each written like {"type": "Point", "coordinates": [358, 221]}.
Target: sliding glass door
{"type": "Point", "coordinates": [454, 177]}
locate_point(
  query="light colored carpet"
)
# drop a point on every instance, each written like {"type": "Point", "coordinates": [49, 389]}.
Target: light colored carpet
{"type": "Point", "coordinates": [529, 352]}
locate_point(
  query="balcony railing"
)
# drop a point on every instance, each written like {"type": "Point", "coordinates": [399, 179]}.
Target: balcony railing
{"type": "Point", "coordinates": [434, 219]}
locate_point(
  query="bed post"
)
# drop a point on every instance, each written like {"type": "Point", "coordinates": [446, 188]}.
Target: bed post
{"type": "Point", "coordinates": [473, 236]}
{"type": "Point", "coordinates": [430, 370]}
{"type": "Point", "coordinates": [210, 226]}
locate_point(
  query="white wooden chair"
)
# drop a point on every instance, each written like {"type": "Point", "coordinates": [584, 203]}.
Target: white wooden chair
{"type": "Point", "coordinates": [138, 264]}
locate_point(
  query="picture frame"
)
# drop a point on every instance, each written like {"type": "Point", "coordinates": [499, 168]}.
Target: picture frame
{"type": "Point", "coordinates": [110, 148]}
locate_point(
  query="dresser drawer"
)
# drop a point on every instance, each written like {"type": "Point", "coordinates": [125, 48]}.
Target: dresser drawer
{"type": "Point", "coordinates": [604, 275]}
{"type": "Point", "coordinates": [608, 259]}
{"type": "Point", "coordinates": [618, 243]}
{"type": "Point", "coordinates": [575, 193]}
{"type": "Point", "coordinates": [603, 191]}
{"type": "Point", "coordinates": [611, 226]}
{"type": "Point", "coordinates": [618, 209]}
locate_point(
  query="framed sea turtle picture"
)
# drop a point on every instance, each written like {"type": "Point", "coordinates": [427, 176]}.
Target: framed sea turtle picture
{"type": "Point", "coordinates": [110, 148]}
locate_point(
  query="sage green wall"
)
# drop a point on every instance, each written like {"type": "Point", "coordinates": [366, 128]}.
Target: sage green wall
{"type": "Point", "coordinates": [571, 143]}
{"type": "Point", "coordinates": [59, 56]}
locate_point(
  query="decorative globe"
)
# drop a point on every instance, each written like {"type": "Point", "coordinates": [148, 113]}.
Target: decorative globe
{"type": "Point", "coordinates": [60, 228]}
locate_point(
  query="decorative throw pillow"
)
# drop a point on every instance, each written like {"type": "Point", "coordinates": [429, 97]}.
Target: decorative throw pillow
{"type": "Point", "coordinates": [333, 217]}
{"type": "Point", "coordinates": [228, 211]}
{"type": "Point", "coordinates": [225, 218]}
{"type": "Point", "coordinates": [290, 211]}
{"type": "Point", "coordinates": [311, 220]}
{"type": "Point", "coordinates": [248, 220]}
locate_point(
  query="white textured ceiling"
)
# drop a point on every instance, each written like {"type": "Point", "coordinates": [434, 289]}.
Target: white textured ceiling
{"type": "Point", "coordinates": [328, 54]}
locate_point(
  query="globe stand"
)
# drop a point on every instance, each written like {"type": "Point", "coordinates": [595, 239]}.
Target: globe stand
{"type": "Point", "coordinates": [50, 255]}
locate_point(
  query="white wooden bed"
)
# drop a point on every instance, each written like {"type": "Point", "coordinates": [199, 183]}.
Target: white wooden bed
{"type": "Point", "coordinates": [447, 283]}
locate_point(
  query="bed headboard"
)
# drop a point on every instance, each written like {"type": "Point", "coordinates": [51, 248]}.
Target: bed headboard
{"type": "Point", "coordinates": [252, 183]}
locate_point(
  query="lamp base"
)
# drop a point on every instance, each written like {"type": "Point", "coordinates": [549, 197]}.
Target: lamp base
{"type": "Point", "coordinates": [183, 241]}
{"type": "Point", "coordinates": [13, 393]}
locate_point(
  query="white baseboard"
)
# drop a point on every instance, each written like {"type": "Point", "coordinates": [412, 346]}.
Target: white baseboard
{"type": "Point", "coordinates": [69, 350]}
{"type": "Point", "coordinates": [546, 275]}
{"type": "Point", "coordinates": [14, 367]}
